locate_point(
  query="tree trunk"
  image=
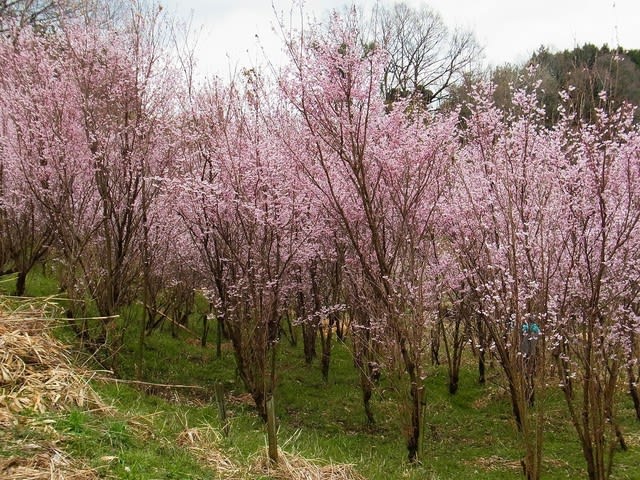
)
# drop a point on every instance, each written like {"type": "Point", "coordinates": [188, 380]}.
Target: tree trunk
{"type": "Point", "coordinates": [453, 383]}
{"type": "Point", "coordinates": [290, 333]}
{"type": "Point", "coordinates": [565, 375]}
{"type": "Point", "coordinates": [219, 335]}
{"type": "Point", "coordinates": [411, 362]}
{"type": "Point", "coordinates": [21, 283]}
{"type": "Point", "coordinates": [205, 330]}
{"type": "Point", "coordinates": [631, 372]}
{"type": "Point", "coordinates": [529, 468]}
{"type": "Point", "coordinates": [515, 404]}
{"type": "Point", "coordinates": [453, 348]}
{"type": "Point", "coordinates": [309, 335]}
{"type": "Point", "coordinates": [141, 336]}
{"type": "Point", "coordinates": [367, 390]}
{"type": "Point", "coordinates": [326, 348]}
{"type": "Point", "coordinates": [340, 329]}
{"type": "Point", "coordinates": [482, 344]}
{"type": "Point", "coordinates": [481, 367]}
{"type": "Point", "coordinates": [414, 439]}
{"type": "Point", "coordinates": [435, 341]}
{"type": "Point", "coordinates": [633, 391]}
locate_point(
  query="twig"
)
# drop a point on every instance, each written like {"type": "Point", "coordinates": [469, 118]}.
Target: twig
{"type": "Point", "coordinates": [138, 382]}
{"type": "Point", "coordinates": [172, 320]}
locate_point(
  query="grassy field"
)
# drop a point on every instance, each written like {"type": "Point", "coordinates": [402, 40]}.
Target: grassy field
{"type": "Point", "coordinates": [158, 432]}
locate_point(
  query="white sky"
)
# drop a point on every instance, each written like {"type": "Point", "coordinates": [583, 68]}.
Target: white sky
{"type": "Point", "coordinates": [508, 30]}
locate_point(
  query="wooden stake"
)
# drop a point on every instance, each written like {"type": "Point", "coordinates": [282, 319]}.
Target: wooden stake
{"type": "Point", "coordinates": [271, 431]}
{"type": "Point", "coordinates": [222, 412]}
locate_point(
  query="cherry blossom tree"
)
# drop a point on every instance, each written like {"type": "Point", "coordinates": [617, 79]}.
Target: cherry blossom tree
{"type": "Point", "coordinates": [42, 144]}
{"type": "Point", "coordinates": [509, 241]}
{"type": "Point", "coordinates": [239, 202]}
{"type": "Point", "coordinates": [123, 84]}
{"type": "Point", "coordinates": [89, 109]}
{"type": "Point", "coordinates": [548, 247]}
{"type": "Point", "coordinates": [380, 175]}
{"type": "Point", "coordinates": [596, 319]}
{"type": "Point", "coordinates": [25, 235]}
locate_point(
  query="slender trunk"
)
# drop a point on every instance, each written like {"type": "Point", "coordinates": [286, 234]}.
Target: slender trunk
{"type": "Point", "coordinates": [250, 364]}
{"type": "Point", "coordinates": [147, 293]}
{"type": "Point", "coordinates": [435, 341]}
{"type": "Point", "coordinates": [588, 442]}
{"type": "Point", "coordinates": [481, 351]}
{"type": "Point", "coordinates": [453, 349]}
{"type": "Point", "coordinates": [367, 389]}
{"type": "Point", "coordinates": [532, 417]}
{"type": "Point", "coordinates": [529, 426]}
{"type": "Point", "coordinates": [141, 337]}
{"type": "Point", "coordinates": [21, 282]}
{"type": "Point", "coordinates": [516, 405]}
{"type": "Point", "coordinates": [453, 383]}
{"type": "Point", "coordinates": [293, 339]}
{"type": "Point", "coordinates": [414, 439]}
{"type": "Point", "coordinates": [633, 390]}
{"type": "Point", "coordinates": [340, 329]}
{"type": "Point", "coordinates": [361, 359]}
{"type": "Point", "coordinates": [326, 348]}
{"type": "Point", "coordinates": [481, 367]}
{"type": "Point", "coordinates": [631, 372]}
{"type": "Point", "coordinates": [309, 335]}
{"type": "Point", "coordinates": [271, 409]}
{"type": "Point", "coordinates": [205, 331]}
{"type": "Point", "coordinates": [222, 412]}
{"type": "Point", "coordinates": [530, 467]}
{"type": "Point", "coordinates": [565, 375]}
{"type": "Point", "coordinates": [411, 362]}
{"type": "Point", "coordinates": [219, 334]}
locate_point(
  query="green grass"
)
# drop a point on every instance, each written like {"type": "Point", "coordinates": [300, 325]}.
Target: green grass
{"type": "Point", "coordinates": [39, 283]}
{"type": "Point", "coordinates": [129, 445]}
{"type": "Point", "coordinates": [469, 435]}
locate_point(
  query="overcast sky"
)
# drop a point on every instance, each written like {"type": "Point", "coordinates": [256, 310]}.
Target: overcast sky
{"type": "Point", "coordinates": [508, 30]}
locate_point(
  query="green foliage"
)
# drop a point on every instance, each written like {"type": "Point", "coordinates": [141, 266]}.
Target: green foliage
{"type": "Point", "coordinates": [634, 56]}
{"type": "Point", "coordinates": [584, 73]}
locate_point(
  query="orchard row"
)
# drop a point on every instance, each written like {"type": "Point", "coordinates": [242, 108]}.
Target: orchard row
{"type": "Point", "coordinates": [306, 194]}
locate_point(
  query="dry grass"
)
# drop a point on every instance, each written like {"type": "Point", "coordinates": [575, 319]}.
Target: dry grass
{"type": "Point", "coordinates": [35, 370]}
{"type": "Point", "coordinates": [52, 464]}
{"type": "Point", "coordinates": [203, 443]}
{"type": "Point", "coordinates": [294, 467]}
{"type": "Point", "coordinates": [36, 374]}
{"type": "Point", "coordinates": [633, 439]}
{"type": "Point", "coordinates": [495, 463]}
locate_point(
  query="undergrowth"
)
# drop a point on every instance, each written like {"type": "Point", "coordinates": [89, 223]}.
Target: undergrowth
{"type": "Point", "coordinates": [166, 425]}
